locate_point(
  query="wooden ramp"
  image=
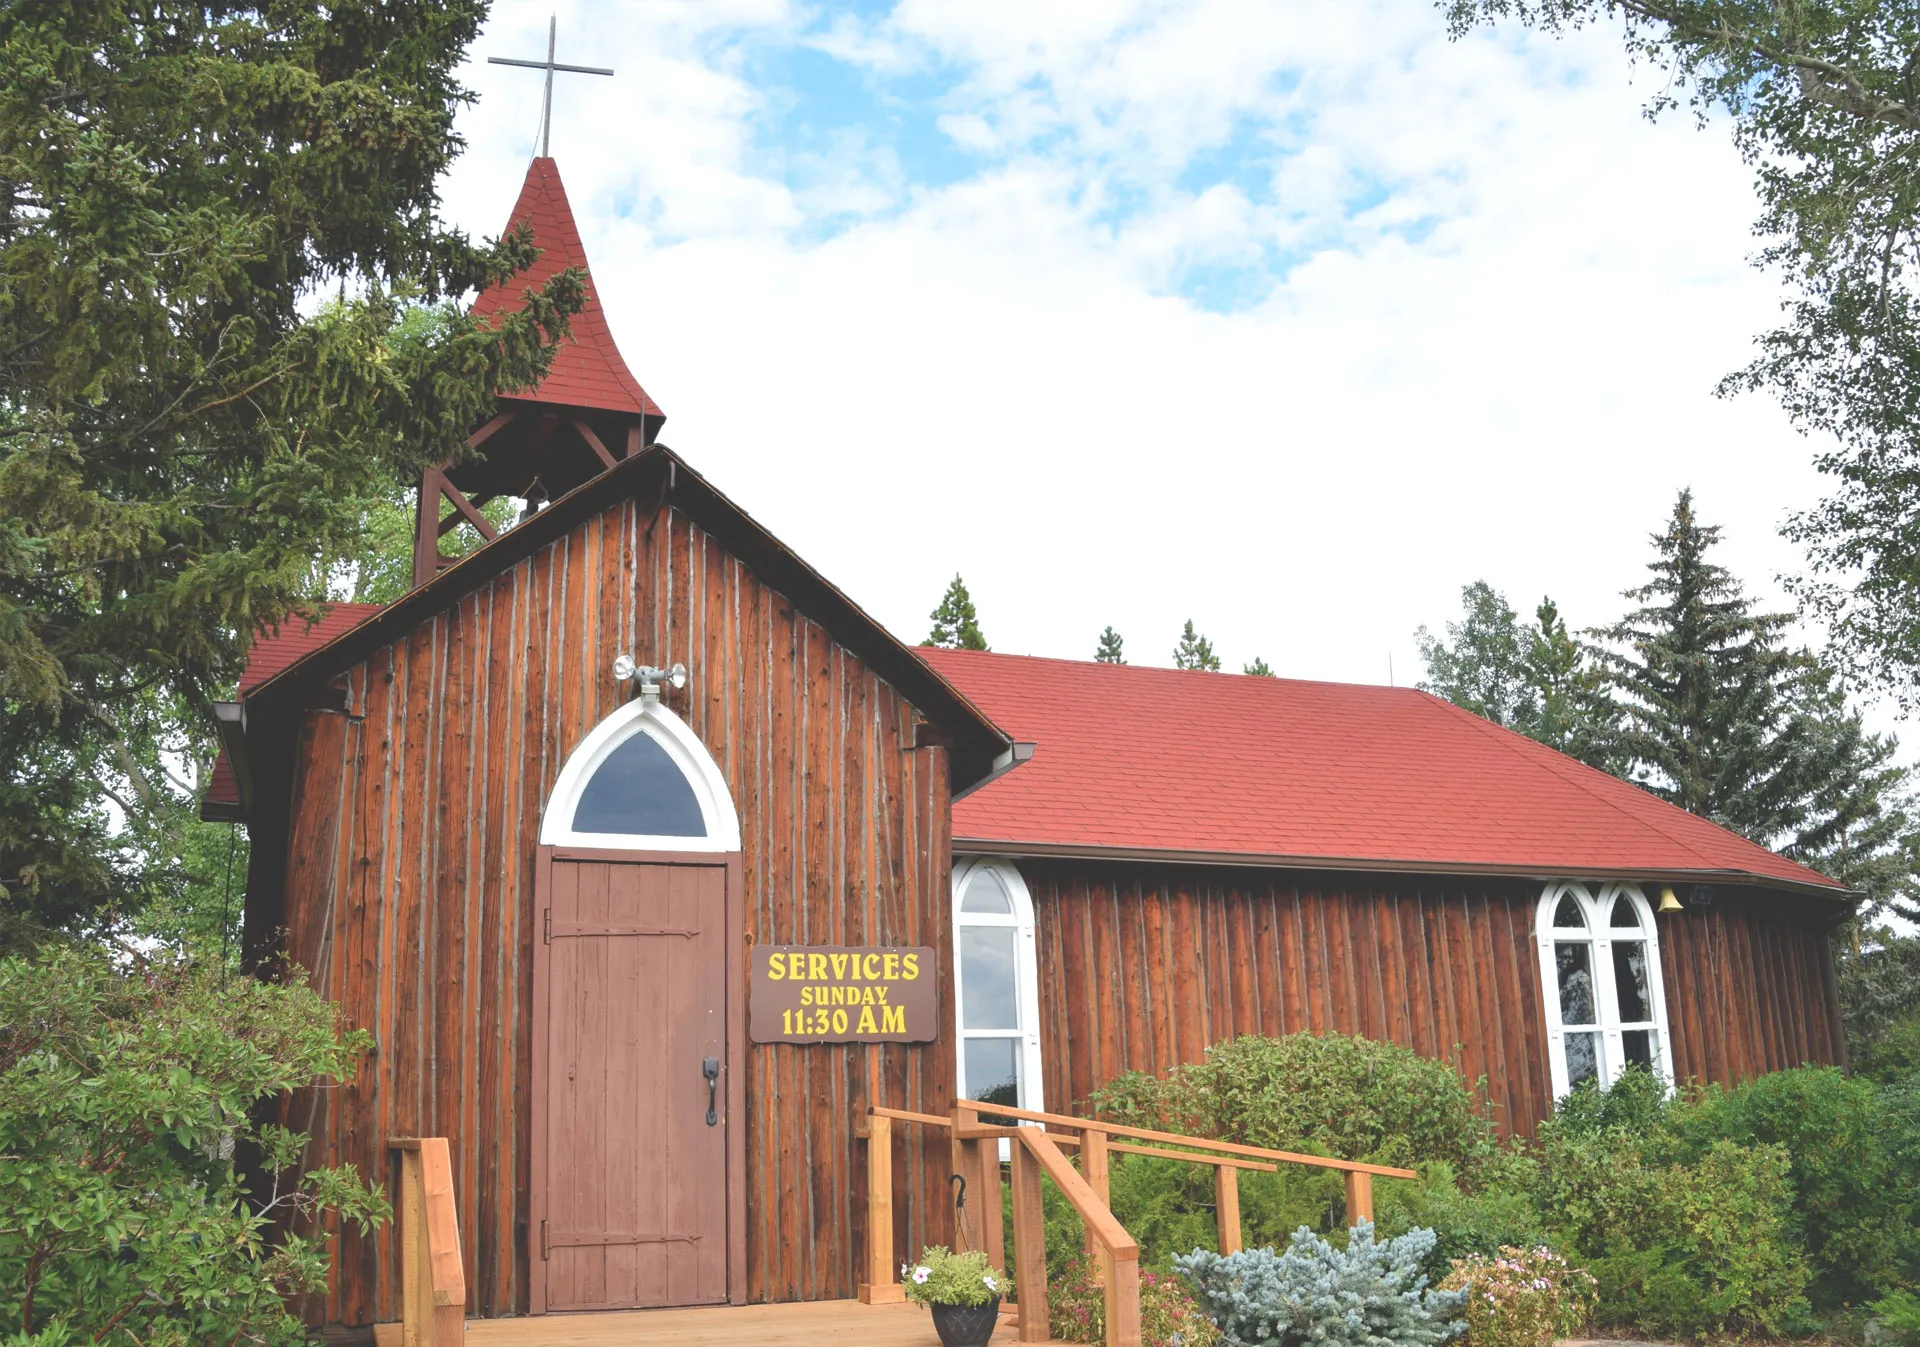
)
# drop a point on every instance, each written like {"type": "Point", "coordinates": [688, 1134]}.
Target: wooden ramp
{"type": "Point", "coordinates": [841, 1323]}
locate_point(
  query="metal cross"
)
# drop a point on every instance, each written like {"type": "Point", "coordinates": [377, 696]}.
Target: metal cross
{"type": "Point", "coordinates": [549, 65]}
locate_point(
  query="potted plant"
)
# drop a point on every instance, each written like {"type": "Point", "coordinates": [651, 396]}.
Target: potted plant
{"type": "Point", "coordinates": [962, 1290]}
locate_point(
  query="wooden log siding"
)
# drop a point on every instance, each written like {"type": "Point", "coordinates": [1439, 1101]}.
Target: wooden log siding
{"type": "Point", "coordinates": [410, 887]}
{"type": "Point", "coordinates": [1141, 967]}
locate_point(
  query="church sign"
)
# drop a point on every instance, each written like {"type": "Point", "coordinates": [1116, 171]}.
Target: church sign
{"type": "Point", "coordinates": [843, 994]}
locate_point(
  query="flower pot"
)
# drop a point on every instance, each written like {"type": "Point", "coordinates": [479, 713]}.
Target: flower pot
{"type": "Point", "coordinates": [966, 1325]}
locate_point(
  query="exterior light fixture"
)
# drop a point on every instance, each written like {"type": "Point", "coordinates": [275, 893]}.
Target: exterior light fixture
{"type": "Point", "coordinates": [626, 669]}
{"type": "Point", "coordinates": [1668, 903]}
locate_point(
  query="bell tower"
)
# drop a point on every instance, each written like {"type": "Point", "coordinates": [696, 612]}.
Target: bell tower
{"type": "Point", "coordinates": [585, 416]}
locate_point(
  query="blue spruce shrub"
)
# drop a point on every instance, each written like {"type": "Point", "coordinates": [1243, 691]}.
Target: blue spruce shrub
{"type": "Point", "coordinates": [1366, 1295]}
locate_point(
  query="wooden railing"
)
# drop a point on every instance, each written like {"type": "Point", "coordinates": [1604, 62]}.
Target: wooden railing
{"type": "Point", "coordinates": [1037, 1150]}
{"type": "Point", "coordinates": [433, 1280]}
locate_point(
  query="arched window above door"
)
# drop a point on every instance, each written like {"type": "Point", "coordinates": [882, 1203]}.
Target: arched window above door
{"type": "Point", "coordinates": [641, 781]}
{"type": "Point", "coordinates": [1600, 973]}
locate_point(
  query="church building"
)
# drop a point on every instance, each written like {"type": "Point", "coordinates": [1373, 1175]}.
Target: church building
{"type": "Point", "coordinates": [650, 861]}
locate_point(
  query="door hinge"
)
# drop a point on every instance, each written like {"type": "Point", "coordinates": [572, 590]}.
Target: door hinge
{"type": "Point", "coordinates": [546, 926]}
{"type": "Point", "coordinates": [543, 1241]}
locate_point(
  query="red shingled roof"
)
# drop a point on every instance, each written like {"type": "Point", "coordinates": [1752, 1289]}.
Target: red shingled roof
{"type": "Point", "coordinates": [587, 370]}
{"type": "Point", "coordinates": [273, 651]}
{"type": "Point", "coordinates": [1138, 760]}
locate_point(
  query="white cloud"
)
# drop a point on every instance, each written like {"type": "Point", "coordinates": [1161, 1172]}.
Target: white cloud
{"type": "Point", "coordinates": [1500, 367]}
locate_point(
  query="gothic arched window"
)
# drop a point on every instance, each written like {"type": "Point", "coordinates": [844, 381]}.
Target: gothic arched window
{"type": "Point", "coordinates": [1600, 970]}
{"type": "Point", "coordinates": [996, 986]}
{"type": "Point", "coordinates": [641, 780]}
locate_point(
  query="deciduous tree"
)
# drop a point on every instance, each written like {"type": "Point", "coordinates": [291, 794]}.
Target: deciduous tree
{"type": "Point", "coordinates": [1823, 97]}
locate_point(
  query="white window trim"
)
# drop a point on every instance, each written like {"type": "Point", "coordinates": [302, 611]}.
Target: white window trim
{"type": "Point", "coordinates": [1027, 975]}
{"type": "Point", "coordinates": [1597, 908]}
{"type": "Point", "coordinates": [645, 716]}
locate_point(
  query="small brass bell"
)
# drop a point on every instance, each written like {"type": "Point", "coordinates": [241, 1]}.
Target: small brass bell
{"type": "Point", "coordinates": [1668, 903]}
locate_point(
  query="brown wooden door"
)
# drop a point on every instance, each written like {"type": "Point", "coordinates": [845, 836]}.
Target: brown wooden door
{"type": "Point", "coordinates": [634, 998]}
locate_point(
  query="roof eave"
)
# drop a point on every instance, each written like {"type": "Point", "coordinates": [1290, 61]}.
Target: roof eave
{"type": "Point", "coordinates": [987, 846]}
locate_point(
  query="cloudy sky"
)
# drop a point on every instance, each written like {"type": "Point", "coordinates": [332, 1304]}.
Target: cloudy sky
{"type": "Point", "coordinates": [1289, 317]}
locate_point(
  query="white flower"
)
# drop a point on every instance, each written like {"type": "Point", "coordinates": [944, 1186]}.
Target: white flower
{"type": "Point", "coordinates": [920, 1275]}
{"type": "Point", "coordinates": [992, 1285]}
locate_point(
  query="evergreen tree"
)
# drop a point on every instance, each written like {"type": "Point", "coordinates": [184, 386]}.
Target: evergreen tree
{"type": "Point", "coordinates": [1721, 717]}
{"type": "Point", "coordinates": [184, 427]}
{"type": "Point", "coordinates": [955, 624]}
{"type": "Point", "coordinates": [1195, 651]}
{"type": "Point", "coordinates": [1108, 651]}
{"type": "Point", "coordinates": [1259, 668]}
{"type": "Point", "coordinates": [1572, 707]}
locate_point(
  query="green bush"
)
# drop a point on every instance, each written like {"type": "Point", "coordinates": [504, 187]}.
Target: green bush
{"type": "Point", "coordinates": [1676, 1247]}
{"type": "Point", "coordinates": [1363, 1295]}
{"type": "Point", "coordinates": [1478, 1223]}
{"type": "Point", "coordinates": [124, 1099]}
{"type": "Point", "coordinates": [1853, 1147]}
{"type": "Point", "coordinates": [1322, 1094]}
{"type": "Point", "coordinates": [1896, 1320]}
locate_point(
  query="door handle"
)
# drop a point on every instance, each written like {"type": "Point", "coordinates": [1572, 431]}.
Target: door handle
{"type": "Point", "coordinates": [710, 1068]}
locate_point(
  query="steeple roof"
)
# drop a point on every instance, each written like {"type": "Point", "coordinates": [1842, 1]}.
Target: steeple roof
{"type": "Point", "coordinates": [587, 371]}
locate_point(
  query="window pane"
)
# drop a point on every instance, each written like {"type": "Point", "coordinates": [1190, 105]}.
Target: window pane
{"type": "Point", "coordinates": [987, 979]}
{"type": "Point", "coordinates": [1630, 980]}
{"type": "Point", "coordinates": [1583, 1058]}
{"type": "Point", "coordinates": [1567, 913]}
{"type": "Point", "coordinates": [990, 1071]}
{"type": "Point", "coordinates": [985, 893]}
{"type": "Point", "coordinates": [638, 790]}
{"type": "Point", "coordinates": [1574, 962]}
{"type": "Point", "coordinates": [1625, 913]}
{"type": "Point", "coordinates": [1636, 1045]}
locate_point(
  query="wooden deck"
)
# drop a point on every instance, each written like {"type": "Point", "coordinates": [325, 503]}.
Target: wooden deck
{"type": "Point", "coordinates": [842, 1323]}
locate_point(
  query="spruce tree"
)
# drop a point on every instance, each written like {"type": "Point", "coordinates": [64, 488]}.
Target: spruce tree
{"type": "Point", "coordinates": [1109, 649]}
{"type": "Point", "coordinates": [1195, 651]}
{"type": "Point", "coordinates": [212, 221]}
{"type": "Point", "coordinates": [955, 624]}
{"type": "Point", "coordinates": [1720, 716]}
{"type": "Point", "coordinates": [1571, 707]}
{"type": "Point", "coordinates": [1259, 668]}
